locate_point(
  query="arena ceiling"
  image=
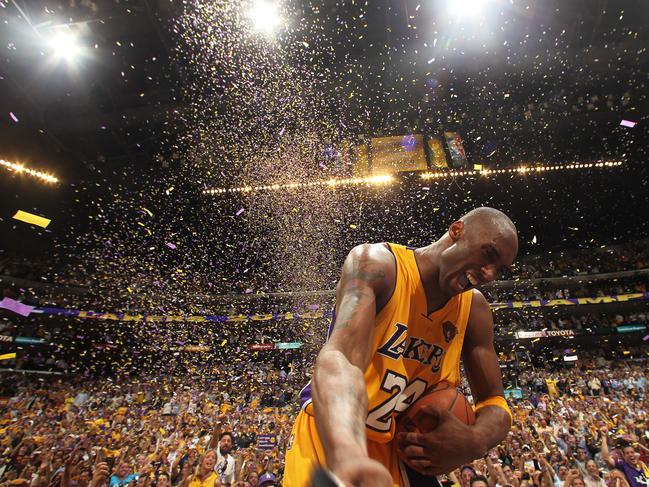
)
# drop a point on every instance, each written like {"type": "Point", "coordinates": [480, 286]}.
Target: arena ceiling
{"type": "Point", "coordinates": [524, 81]}
{"type": "Point", "coordinates": [110, 106]}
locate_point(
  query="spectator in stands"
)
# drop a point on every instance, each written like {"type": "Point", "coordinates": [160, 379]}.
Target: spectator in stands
{"type": "Point", "coordinates": [205, 475]}
{"type": "Point", "coordinates": [635, 471]}
{"type": "Point", "coordinates": [123, 476]}
{"type": "Point", "coordinates": [224, 442]}
{"type": "Point", "coordinates": [593, 476]}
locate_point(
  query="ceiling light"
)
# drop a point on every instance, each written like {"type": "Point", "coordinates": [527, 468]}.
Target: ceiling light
{"type": "Point", "coordinates": [65, 45]}
{"type": "Point", "coordinates": [265, 16]}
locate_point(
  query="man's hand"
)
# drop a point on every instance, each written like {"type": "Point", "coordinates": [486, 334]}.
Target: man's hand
{"type": "Point", "coordinates": [363, 472]}
{"type": "Point", "coordinates": [99, 474]}
{"type": "Point", "coordinates": [572, 474]}
{"type": "Point", "coordinates": [451, 444]}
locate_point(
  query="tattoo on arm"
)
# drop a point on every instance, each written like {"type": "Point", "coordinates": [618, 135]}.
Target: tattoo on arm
{"type": "Point", "coordinates": [348, 401]}
{"type": "Point", "coordinates": [349, 307]}
{"type": "Point", "coordinates": [354, 296]}
{"type": "Point", "coordinates": [362, 271]}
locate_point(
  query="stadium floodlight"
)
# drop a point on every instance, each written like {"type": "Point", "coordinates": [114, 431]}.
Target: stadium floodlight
{"type": "Point", "coordinates": [64, 45]}
{"type": "Point", "coordinates": [466, 7]}
{"type": "Point", "coordinates": [265, 16]}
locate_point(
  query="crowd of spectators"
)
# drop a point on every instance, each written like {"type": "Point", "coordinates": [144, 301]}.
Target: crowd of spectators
{"type": "Point", "coordinates": [548, 291]}
{"type": "Point", "coordinates": [583, 426]}
{"type": "Point", "coordinates": [588, 322]}
{"type": "Point", "coordinates": [147, 431]}
{"type": "Point", "coordinates": [627, 257]}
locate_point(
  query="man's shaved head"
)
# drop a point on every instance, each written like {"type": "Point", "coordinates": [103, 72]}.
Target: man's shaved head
{"type": "Point", "coordinates": [479, 247]}
{"type": "Point", "coordinates": [491, 220]}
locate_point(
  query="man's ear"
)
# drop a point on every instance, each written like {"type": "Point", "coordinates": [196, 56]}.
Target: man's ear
{"type": "Point", "coordinates": [456, 230]}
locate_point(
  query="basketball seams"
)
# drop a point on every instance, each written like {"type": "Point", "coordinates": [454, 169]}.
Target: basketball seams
{"type": "Point", "coordinates": [452, 405]}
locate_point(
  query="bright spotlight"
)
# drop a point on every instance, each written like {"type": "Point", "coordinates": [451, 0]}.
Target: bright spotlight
{"type": "Point", "coordinates": [265, 16]}
{"type": "Point", "coordinates": [65, 46]}
{"type": "Point", "coordinates": [467, 7]}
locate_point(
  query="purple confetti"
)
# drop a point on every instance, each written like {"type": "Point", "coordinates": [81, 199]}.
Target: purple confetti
{"type": "Point", "coordinates": [171, 245]}
{"type": "Point", "coordinates": [241, 210]}
{"type": "Point", "coordinates": [16, 306]}
{"type": "Point", "coordinates": [627, 123]}
{"type": "Point", "coordinates": [646, 338]}
{"type": "Point", "coordinates": [13, 117]}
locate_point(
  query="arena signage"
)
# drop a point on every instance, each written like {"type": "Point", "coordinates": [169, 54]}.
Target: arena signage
{"type": "Point", "coordinates": [549, 303]}
{"type": "Point", "coordinates": [545, 333]}
{"type": "Point", "coordinates": [288, 345]}
{"type": "Point", "coordinates": [631, 328]}
{"type": "Point", "coordinates": [316, 314]}
{"type": "Point", "coordinates": [23, 340]}
{"type": "Point", "coordinates": [261, 346]}
{"type": "Point", "coordinates": [29, 340]}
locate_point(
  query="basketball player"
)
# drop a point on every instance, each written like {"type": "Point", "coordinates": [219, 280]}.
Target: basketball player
{"type": "Point", "coordinates": [404, 317]}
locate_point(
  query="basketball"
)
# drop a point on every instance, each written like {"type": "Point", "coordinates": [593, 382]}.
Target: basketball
{"type": "Point", "coordinates": [442, 397]}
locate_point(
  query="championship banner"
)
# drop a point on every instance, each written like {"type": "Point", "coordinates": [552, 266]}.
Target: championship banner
{"type": "Point", "coordinates": [314, 314]}
{"type": "Point", "coordinates": [437, 154]}
{"type": "Point", "coordinates": [401, 153]}
{"type": "Point", "coordinates": [456, 149]}
{"type": "Point", "coordinates": [361, 160]}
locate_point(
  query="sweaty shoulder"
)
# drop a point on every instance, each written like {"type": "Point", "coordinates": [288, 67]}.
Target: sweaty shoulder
{"type": "Point", "coordinates": [480, 317]}
{"type": "Point", "coordinates": [375, 264]}
{"type": "Point", "coordinates": [480, 309]}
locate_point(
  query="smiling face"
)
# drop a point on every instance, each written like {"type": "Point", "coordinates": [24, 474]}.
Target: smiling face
{"type": "Point", "coordinates": [209, 460]}
{"type": "Point", "coordinates": [483, 247]}
{"type": "Point", "coordinates": [591, 468]}
{"type": "Point", "coordinates": [123, 470]}
{"type": "Point", "coordinates": [563, 471]}
{"type": "Point", "coordinates": [225, 443]}
{"type": "Point", "coordinates": [629, 455]}
{"type": "Point", "coordinates": [579, 482]}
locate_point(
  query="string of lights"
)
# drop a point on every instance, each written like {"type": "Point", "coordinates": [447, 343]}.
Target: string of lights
{"type": "Point", "coordinates": [25, 170]}
{"type": "Point", "coordinates": [519, 170]}
{"type": "Point", "coordinates": [373, 180]}
{"type": "Point", "coordinates": [386, 179]}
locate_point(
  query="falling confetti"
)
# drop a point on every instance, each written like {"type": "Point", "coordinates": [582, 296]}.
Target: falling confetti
{"type": "Point", "coordinates": [32, 219]}
{"type": "Point", "coordinates": [16, 306]}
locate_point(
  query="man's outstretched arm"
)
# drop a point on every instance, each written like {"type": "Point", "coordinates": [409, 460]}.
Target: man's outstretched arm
{"type": "Point", "coordinates": [339, 393]}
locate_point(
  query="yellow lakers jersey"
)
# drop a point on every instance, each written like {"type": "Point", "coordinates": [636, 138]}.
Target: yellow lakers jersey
{"type": "Point", "coordinates": [412, 350]}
